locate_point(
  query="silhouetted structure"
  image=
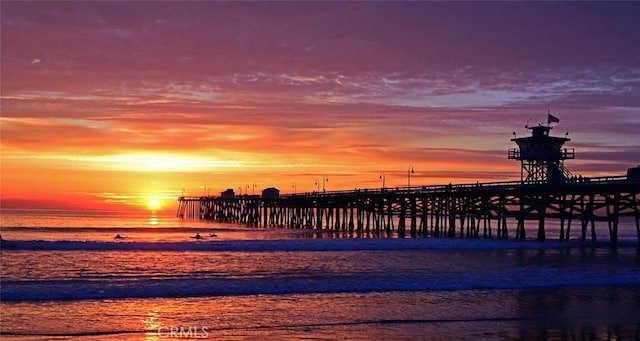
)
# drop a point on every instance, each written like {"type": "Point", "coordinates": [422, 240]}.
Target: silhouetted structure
{"type": "Point", "coordinates": [541, 156]}
{"type": "Point", "coordinates": [633, 173]}
{"type": "Point", "coordinates": [270, 193]}
{"type": "Point", "coordinates": [466, 210]}
{"type": "Point", "coordinates": [228, 194]}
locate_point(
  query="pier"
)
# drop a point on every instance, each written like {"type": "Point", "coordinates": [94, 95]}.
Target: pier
{"type": "Point", "coordinates": [468, 210]}
{"type": "Point", "coordinates": [546, 190]}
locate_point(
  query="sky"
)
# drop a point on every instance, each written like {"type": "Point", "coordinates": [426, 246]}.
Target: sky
{"type": "Point", "coordinates": [109, 105]}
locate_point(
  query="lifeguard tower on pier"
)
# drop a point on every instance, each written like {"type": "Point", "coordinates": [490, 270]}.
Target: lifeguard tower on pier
{"type": "Point", "coordinates": [541, 156]}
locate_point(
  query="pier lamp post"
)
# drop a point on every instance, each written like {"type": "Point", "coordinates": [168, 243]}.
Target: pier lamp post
{"type": "Point", "coordinates": [325, 179]}
{"type": "Point", "coordinates": [383, 178]}
{"type": "Point", "coordinates": [295, 189]}
{"type": "Point", "coordinates": [409, 171]}
{"type": "Point", "coordinates": [253, 191]}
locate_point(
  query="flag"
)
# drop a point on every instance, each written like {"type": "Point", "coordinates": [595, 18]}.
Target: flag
{"type": "Point", "coordinates": [551, 119]}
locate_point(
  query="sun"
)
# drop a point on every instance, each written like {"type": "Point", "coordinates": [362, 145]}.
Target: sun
{"type": "Point", "coordinates": [153, 204]}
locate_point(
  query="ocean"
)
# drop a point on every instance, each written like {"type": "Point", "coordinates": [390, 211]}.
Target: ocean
{"type": "Point", "coordinates": [66, 277]}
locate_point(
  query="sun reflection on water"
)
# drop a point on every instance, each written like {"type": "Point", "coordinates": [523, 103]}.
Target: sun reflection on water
{"type": "Point", "coordinates": [153, 220]}
{"type": "Point", "coordinates": [151, 325]}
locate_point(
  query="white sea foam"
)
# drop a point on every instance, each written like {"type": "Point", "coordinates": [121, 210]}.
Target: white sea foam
{"type": "Point", "coordinates": [339, 244]}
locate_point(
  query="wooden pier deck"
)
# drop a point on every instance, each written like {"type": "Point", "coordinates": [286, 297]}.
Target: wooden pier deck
{"type": "Point", "coordinates": [487, 210]}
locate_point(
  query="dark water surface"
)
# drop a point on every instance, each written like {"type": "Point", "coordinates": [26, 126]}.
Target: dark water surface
{"type": "Point", "coordinates": [69, 282]}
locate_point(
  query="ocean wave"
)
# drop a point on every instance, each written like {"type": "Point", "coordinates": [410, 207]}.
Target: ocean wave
{"type": "Point", "coordinates": [354, 272]}
{"type": "Point", "coordinates": [338, 244]}
{"type": "Point", "coordinates": [60, 290]}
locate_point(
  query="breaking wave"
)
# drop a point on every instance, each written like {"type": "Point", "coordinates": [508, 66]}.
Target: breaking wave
{"type": "Point", "coordinates": [338, 244]}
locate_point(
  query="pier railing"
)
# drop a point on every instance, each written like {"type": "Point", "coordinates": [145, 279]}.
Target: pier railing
{"type": "Point", "coordinates": [498, 185]}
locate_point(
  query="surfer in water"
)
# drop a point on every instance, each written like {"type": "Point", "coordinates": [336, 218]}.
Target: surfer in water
{"type": "Point", "coordinates": [197, 236]}
{"type": "Point", "coordinates": [118, 236]}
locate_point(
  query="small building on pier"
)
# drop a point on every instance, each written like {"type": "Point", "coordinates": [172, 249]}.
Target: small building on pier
{"type": "Point", "coordinates": [541, 156]}
{"type": "Point", "coordinates": [228, 194]}
{"type": "Point", "coordinates": [633, 174]}
{"type": "Point", "coordinates": [270, 193]}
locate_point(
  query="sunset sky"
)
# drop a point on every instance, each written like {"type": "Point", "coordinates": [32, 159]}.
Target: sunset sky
{"type": "Point", "coordinates": [112, 104]}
